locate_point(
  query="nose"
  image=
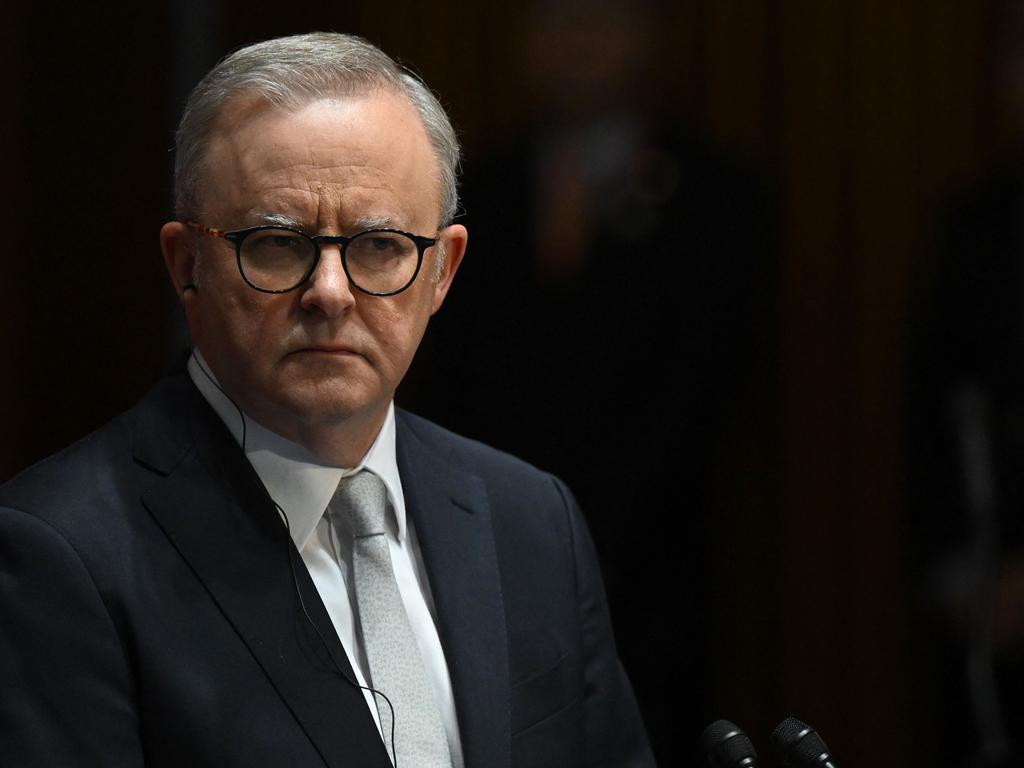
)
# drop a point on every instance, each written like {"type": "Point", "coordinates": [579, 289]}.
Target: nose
{"type": "Point", "coordinates": [328, 291]}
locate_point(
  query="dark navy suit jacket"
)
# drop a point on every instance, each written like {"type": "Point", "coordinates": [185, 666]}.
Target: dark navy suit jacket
{"type": "Point", "coordinates": [150, 612]}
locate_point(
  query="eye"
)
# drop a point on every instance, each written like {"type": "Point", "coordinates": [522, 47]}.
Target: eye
{"type": "Point", "coordinates": [276, 252]}
{"type": "Point", "coordinates": [381, 243]}
{"type": "Point", "coordinates": [273, 239]}
{"type": "Point", "coordinates": [280, 241]}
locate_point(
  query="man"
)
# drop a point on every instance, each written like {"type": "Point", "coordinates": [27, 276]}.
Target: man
{"type": "Point", "coordinates": [264, 563]}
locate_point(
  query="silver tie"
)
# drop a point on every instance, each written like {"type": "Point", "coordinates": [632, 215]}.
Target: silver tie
{"type": "Point", "coordinates": [396, 667]}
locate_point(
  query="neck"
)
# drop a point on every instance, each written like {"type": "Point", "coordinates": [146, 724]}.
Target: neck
{"type": "Point", "coordinates": [341, 445]}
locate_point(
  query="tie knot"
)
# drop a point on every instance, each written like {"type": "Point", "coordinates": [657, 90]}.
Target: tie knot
{"type": "Point", "coordinates": [362, 499]}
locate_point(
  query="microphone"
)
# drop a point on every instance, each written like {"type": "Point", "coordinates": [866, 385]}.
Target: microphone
{"type": "Point", "coordinates": [801, 745]}
{"type": "Point", "coordinates": [726, 746]}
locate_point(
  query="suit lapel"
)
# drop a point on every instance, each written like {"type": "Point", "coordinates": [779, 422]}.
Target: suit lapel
{"type": "Point", "coordinates": [453, 524]}
{"type": "Point", "coordinates": [213, 508]}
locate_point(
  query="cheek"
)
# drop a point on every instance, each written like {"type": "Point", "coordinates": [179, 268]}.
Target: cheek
{"type": "Point", "coordinates": [241, 330]}
{"type": "Point", "coordinates": [398, 330]}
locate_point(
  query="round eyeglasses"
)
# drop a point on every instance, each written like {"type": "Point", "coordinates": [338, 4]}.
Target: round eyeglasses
{"type": "Point", "coordinates": [274, 259]}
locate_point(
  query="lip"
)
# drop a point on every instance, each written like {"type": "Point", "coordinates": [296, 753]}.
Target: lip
{"type": "Point", "coordinates": [327, 349]}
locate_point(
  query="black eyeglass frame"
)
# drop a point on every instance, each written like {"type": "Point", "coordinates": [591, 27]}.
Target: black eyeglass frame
{"type": "Point", "coordinates": [238, 236]}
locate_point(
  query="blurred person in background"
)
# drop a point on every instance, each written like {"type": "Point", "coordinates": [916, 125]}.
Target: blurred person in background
{"type": "Point", "coordinates": [621, 264]}
{"type": "Point", "coordinates": [967, 453]}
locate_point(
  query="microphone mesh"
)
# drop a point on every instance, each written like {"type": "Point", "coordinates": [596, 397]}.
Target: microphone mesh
{"type": "Point", "coordinates": [802, 745]}
{"type": "Point", "coordinates": [727, 746]}
{"type": "Point", "coordinates": [788, 732]}
{"type": "Point", "coordinates": [717, 732]}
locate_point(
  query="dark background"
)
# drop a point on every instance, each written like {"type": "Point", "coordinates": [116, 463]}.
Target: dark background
{"type": "Point", "coordinates": [755, 344]}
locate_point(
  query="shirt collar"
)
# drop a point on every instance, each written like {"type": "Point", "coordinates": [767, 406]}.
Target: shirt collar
{"type": "Point", "coordinates": [297, 479]}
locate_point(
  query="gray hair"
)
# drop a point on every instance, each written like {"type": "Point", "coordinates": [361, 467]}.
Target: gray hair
{"type": "Point", "coordinates": [289, 72]}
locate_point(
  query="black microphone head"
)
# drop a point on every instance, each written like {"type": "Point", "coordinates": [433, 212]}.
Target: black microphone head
{"type": "Point", "coordinates": [726, 746]}
{"type": "Point", "coordinates": [802, 746]}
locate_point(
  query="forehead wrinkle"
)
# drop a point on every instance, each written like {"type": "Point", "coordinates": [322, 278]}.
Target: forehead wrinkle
{"type": "Point", "coordinates": [345, 175]}
{"type": "Point", "coordinates": [356, 207]}
{"type": "Point", "coordinates": [320, 190]}
{"type": "Point", "coordinates": [332, 182]}
{"type": "Point", "coordinates": [282, 203]}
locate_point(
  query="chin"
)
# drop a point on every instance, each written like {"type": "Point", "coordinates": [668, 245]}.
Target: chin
{"type": "Point", "coordinates": [333, 409]}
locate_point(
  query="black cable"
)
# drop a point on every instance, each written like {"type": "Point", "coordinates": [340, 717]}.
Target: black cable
{"type": "Point", "coordinates": [295, 578]}
{"type": "Point", "coordinates": [323, 640]}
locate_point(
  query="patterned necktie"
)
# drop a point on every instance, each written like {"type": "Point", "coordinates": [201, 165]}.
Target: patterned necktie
{"type": "Point", "coordinates": [396, 668]}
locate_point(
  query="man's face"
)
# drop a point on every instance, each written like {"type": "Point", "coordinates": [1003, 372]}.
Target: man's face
{"type": "Point", "coordinates": [323, 355]}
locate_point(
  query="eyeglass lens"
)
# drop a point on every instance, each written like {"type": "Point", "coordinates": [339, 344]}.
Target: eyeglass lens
{"type": "Point", "coordinates": [279, 259]}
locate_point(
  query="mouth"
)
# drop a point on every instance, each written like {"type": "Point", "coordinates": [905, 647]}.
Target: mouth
{"type": "Point", "coordinates": [333, 350]}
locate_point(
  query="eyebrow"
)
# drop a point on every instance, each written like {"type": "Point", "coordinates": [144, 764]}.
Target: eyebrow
{"type": "Point", "coordinates": [280, 219]}
{"type": "Point", "coordinates": [363, 223]}
{"type": "Point", "coordinates": [373, 222]}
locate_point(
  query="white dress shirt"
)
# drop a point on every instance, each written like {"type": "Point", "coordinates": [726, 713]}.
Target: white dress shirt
{"type": "Point", "coordinates": [302, 485]}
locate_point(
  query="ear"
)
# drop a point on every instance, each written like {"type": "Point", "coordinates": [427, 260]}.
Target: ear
{"type": "Point", "coordinates": [178, 245]}
{"type": "Point", "coordinates": [455, 239]}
